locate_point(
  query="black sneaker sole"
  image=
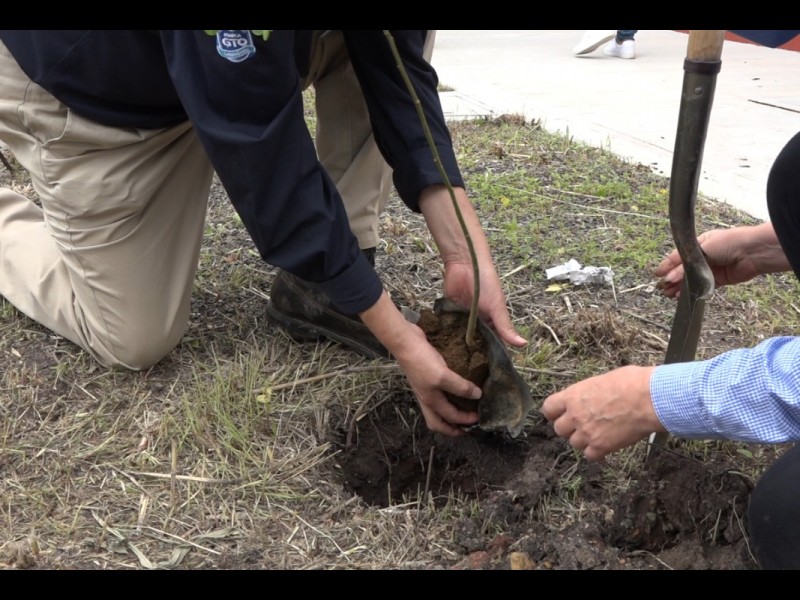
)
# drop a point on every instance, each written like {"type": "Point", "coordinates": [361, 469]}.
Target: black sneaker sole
{"type": "Point", "coordinates": [303, 331]}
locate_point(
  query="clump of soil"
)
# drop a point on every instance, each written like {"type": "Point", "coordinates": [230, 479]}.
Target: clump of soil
{"type": "Point", "coordinates": [447, 332]}
{"type": "Point", "coordinates": [506, 399]}
{"type": "Point", "coordinates": [669, 502]}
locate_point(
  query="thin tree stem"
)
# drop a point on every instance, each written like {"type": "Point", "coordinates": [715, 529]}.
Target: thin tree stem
{"type": "Point", "coordinates": [473, 312]}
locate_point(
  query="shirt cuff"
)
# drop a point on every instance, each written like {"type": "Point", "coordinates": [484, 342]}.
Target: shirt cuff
{"type": "Point", "coordinates": [418, 171]}
{"type": "Point", "coordinates": [676, 404]}
{"type": "Point", "coordinates": [356, 289]}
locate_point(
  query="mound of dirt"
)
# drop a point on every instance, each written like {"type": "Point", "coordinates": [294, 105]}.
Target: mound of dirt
{"type": "Point", "coordinates": [679, 511]}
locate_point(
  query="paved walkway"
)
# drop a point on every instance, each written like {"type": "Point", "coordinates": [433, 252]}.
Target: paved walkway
{"type": "Point", "coordinates": [630, 107]}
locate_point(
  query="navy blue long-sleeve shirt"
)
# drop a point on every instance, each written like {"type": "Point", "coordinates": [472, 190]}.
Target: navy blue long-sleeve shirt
{"type": "Point", "coordinates": [243, 97]}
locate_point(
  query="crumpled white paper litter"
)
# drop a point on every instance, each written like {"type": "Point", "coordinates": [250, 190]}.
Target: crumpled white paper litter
{"type": "Point", "coordinates": [578, 275]}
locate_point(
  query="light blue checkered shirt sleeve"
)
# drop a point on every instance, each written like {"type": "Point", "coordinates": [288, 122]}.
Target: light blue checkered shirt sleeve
{"type": "Point", "coordinates": [749, 394]}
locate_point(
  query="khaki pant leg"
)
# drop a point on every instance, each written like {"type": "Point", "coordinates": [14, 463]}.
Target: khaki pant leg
{"type": "Point", "coordinates": [109, 259]}
{"type": "Point", "coordinates": [345, 144]}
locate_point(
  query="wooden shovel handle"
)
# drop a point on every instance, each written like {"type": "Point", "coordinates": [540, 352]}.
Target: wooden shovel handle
{"type": "Point", "coordinates": [705, 44]}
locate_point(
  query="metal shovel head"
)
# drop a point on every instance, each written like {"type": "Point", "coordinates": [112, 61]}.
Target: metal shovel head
{"type": "Point", "coordinates": [506, 399]}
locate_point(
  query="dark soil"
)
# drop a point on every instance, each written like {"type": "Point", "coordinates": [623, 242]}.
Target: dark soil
{"type": "Point", "coordinates": [681, 511]}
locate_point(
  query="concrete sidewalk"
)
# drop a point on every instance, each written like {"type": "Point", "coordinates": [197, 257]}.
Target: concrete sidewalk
{"type": "Point", "coordinates": [630, 107]}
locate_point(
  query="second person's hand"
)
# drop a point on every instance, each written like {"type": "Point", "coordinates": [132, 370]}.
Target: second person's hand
{"type": "Point", "coordinates": [735, 255]}
{"type": "Point", "coordinates": [606, 412]}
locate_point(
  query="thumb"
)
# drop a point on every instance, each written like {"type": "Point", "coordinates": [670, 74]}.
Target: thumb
{"type": "Point", "coordinates": [511, 337]}
{"type": "Point", "coordinates": [506, 331]}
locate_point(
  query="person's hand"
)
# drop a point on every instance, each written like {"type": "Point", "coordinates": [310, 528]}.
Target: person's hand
{"type": "Point", "coordinates": [605, 413]}
{"type": "Point", "coordinates": [427, 372]}
{"type": "Point", "coordinates": [735, 255]}
{"type": "Point", "coordinates": [441, 218]}
{"type": "Point", "coordinates": [430, 377]}
{"type": "Point", "coordinates": [492, 309]}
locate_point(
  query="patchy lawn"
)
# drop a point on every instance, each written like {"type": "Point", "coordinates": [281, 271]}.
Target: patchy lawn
{"type": "Point", "coordinates": [245, 450]}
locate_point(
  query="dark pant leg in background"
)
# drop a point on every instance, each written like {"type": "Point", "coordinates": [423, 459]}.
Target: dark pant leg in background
{"type": "Point", "coordinates": [783, 200]}
{"type": "Point", "coordinates": [774, 511]}
{"type": "Point", "coordinates": [774, 514]}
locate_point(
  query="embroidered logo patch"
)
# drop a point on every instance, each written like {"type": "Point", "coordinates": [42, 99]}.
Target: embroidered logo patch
{"type": "Point", "coordinates": [236, 45]}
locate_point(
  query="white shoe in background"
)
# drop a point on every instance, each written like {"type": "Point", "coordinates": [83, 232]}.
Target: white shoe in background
{"type": "Point", "coordinates": [626, 49]}
{"type": "Point", "coordinates": [592, 40]}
